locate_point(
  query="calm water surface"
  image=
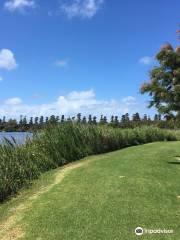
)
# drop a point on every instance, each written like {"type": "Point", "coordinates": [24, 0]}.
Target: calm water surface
{"type": "Point", "coordinates": [20, 137]}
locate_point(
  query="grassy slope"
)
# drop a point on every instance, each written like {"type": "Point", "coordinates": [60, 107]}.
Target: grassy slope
{"type": "Point", "coordinates": [104, 197]}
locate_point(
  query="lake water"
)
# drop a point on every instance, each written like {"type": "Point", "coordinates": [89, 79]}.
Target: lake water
{"type": "Point", "coordinates": [20, 137]}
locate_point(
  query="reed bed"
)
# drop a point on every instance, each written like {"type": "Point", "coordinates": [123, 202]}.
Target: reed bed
{"type": "Point", "coordinates": [62, 144]}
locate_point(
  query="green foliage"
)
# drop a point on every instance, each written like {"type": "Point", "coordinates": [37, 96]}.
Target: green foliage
{"type": "Point", "coordinates": [125, 121]}
{"type": "Point", "coordinates": [101, 198]}
{"type": "Point", "coordinates": [164, 86]}
{"type": "Point", "coordinates": [64, 143]}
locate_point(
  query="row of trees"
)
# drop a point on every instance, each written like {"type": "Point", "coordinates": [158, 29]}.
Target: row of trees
{"type": "Point", "coordinates": [163, 88]}
{"type": "Point", "coordinates": [125, 121]}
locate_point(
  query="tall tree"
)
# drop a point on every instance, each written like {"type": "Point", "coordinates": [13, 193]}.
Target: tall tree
{"type": "Point", "coordinates": [31, 121]}
{"type": "Point", "coordinates": [57, 119]}
{"type": "Point", "coordinates": [24, 121]}
{"type": "Point", "coordinates": [62, 118]}
{"type": "Point", "coordinates": [47, 119]}
{"type": "Point", "coordinates": [4, 120]}
{"type": "Point", "coordinates": [79, 117]}
{"type": "Point", "coordinates": [36, 120]}
{"type": "Point", "coordinates": [145, 118]}
{"type": "Point", "coordinates": [52, 119]}
{"type": "Point", "coordinates": [164, 84]}
{"type": "Point", "coordinates": [127, 117]}
{"type": "Point", "coordinates": [41, 120]}
{"type": "Point", "coordinates": [112, 119]}
{"type": "Point", "coordinates": [90, 119]}
{"type": "Point", "coordinates": [123, 118]}
{"type": "Point", "coordinates": [136, 117]}
{"type": "Point", "coordinates": [84, 121]}
{"type": "Point", "coordinates": [116, 121]}
{"type": "Point", "coordinates": [101, 121]}
{"type": "Point", "coordinates": [94, 120]}
{"type": "Point", "coordinates": [105, 120]}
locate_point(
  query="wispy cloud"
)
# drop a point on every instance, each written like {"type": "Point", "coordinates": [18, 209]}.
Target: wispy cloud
{"type": "Point", "coordinates": [81, 8]}
{"type": "Point", "coordinates": [129, 101]}
{"type": "Point", "coordinates": [1, 79]}
{"type": "Point", "coordinates": [7, 60]}
{"type": "Point", "coordinates": [13, 101]}
{"type": "Point", "coordinates": [62, 63]}
{"type": "Point", "coordinates": [19, 5]}
{"type": "Point", "coordinates": [74, 102]}
{"type": "Point", "coordinates": [146, 60]}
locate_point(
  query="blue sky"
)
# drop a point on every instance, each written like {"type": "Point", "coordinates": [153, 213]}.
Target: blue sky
{"type": "Point", "coordinates": [88, 56]}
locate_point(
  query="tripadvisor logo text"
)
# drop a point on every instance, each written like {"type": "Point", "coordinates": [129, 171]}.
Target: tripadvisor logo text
{"type": "Point", "coordinates": [140, 231]}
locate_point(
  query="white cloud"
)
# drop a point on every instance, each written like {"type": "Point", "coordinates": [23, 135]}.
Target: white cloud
{"type": "Point", "coordinates": [1, 79]}
{"type": "Point", "coordinates": [62, 63]}
{"type": "Point", "coordinates": [146, 60]}
{"type": "Point", "coordinates": [84, 102]}
{"type": "Point", "coordinates": [81, 8]}
{"type": "Point", "coordinates": [7, 60]}
{"type": "Point", "coordinates": [74, 95]}
{"type": "Point", "coordinates": [13, 101]}
{"type": "Point", "coordinates": [19, 5]}
{"type": "Point", "coordinates": [129, 101]}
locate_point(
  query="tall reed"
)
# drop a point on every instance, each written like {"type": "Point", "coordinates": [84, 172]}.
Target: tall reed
{"type": "Point", "coordinates": [64, 143]}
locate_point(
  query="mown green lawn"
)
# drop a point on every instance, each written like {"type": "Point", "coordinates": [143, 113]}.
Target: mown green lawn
{"type": "Point", "coordinates": [105, 197]}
